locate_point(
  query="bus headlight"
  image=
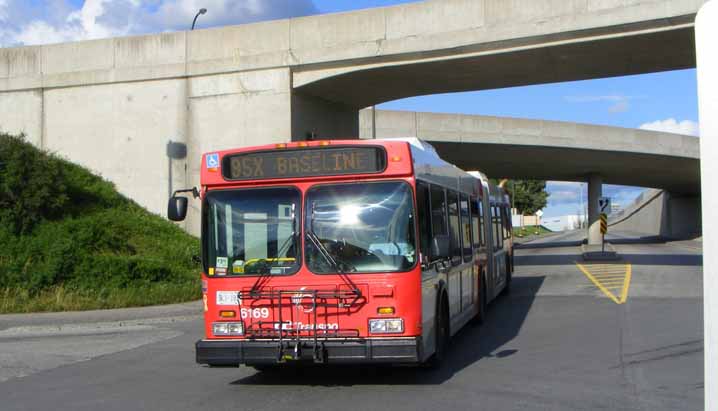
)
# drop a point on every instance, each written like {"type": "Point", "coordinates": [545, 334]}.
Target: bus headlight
{"type": "Point", "coordinates": [227, 329]}
{"type": "Point", "coordinates": [386, 326]}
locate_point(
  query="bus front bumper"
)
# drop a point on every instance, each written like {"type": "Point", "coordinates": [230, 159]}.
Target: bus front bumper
{"type": "Point", "coordinates": [251, 352]}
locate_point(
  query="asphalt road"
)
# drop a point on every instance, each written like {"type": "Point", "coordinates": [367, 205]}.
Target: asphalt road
{"type": "Point", "coordinates": [557, 342]}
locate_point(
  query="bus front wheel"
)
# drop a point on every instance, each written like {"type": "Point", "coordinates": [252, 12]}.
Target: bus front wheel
{"type": "Point", "coordinates": [443, 335]}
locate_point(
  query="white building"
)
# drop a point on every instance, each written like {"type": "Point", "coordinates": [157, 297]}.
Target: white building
{"type": "Point", "coordinates": [563, 223]}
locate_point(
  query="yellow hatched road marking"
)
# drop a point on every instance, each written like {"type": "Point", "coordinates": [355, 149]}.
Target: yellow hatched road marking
{"type": "Point", "coordinates": [626, 283]}
{"type": "Point", "coordinates": [608, 277]}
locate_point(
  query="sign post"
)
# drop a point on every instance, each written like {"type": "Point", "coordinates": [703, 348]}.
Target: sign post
{"type": "Point", "coordinates": [604, 229]}
{"type": "Point", "coordinates": [604, 206]}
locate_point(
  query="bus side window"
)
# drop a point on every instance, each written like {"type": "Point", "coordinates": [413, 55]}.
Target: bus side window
{"type": "Point", "coordinates": [454, 226]}
{"type": "Point", "coordinates": [466, 228]}
{"type": "Point", "coordinates": [439, 224]}
{"type": "Point", "coordinates": [475, 224]}
{"type": "Point", "coordinates": [423, 206]}
{"type": "Point", "coordinates": [498, 243]}
{"type": "Point", "coordinates": [507, 222]}
{"type": "Point", "coordinates": [482, 228]}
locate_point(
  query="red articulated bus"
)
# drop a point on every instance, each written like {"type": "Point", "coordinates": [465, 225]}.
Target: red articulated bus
{"type": "Point", "coordinates": [344, 251]}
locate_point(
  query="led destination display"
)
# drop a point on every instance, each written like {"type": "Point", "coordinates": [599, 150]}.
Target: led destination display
{"type": "Point", "coordinates": [304, 163]}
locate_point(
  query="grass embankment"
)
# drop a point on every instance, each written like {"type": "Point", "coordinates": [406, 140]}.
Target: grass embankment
{"type": "Point", "coordinates": [70, 241]}
{"type": "Point", "coordinates": [528, 230]}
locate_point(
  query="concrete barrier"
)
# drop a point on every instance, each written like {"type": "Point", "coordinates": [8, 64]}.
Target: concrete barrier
{"type": "Point", "coordinates": [658, 213]}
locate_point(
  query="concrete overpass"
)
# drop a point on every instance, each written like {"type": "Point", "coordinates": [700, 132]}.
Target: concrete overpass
{"type": "Point", "coordinates": [550, 150]}
{"type": "Point", "coordinates": [459, 45]}
{"type": "Point", "coordinates": [122, 106]}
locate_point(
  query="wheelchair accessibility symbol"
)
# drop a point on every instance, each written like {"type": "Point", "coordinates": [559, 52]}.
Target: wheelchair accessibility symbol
{"type": "Point", "coordinates": [212, 161]}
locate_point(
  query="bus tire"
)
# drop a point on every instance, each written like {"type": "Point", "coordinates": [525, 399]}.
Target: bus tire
{"type": "Point", "coordinates": [442, 335]}
{"type": "Point", "coordinates": [507, 279]}
{"type": "Point", "coordinates": [483, 303]}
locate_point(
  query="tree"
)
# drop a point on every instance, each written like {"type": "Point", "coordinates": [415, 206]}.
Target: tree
{"type": "Point", "coordinates": [528, 196]}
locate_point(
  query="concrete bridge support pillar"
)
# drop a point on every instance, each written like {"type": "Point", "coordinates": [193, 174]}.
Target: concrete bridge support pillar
{"type": "Point", "coordinates": [595, 183]}
{"type": "Point", "coordinates": [319, 119]}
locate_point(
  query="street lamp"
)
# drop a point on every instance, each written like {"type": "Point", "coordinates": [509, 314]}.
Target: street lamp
{"type": "Point", "coordinates": [201, 11]}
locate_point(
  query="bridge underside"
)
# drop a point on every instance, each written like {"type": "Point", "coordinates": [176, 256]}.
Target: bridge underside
{"type": "Point", "coordinates": [546, 59]}
{"type": "Point", "coordinates": [675, 174]}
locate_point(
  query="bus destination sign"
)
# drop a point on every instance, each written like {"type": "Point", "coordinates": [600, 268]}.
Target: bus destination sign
{"type": "Point", "coordinates": [304, 163]}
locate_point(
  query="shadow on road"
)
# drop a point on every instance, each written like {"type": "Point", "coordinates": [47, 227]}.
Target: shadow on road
{"type": "Point", "coordinates": [610, 238]}
{"type": "Point", "coordinates": [471, 344]}
{"type": "Point", "coordinates": [553, 244]}
{"type": "Point", "coordinates": [634, 259]}
{"type": "Point", "coordinates": [652, 239]}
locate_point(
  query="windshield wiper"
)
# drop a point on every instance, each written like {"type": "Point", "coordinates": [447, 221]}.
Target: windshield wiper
{"type": "Point", "coordinates": [316, 242]}
{"type": "Point", "coordinates": [314, 239]}
{"type": "Point", "coordinates": [266, 273]}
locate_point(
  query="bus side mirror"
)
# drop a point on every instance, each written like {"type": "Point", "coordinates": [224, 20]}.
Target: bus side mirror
{"type": "Point", "coordinates": [440, 246]}
{"type": "Point", "coordinates": [177, 208]}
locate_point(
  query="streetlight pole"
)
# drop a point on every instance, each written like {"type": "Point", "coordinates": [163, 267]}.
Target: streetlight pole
{"type": "Point", "coordinates": [201, 11]}
{"type": "Point", "coordinates": [188, 112]}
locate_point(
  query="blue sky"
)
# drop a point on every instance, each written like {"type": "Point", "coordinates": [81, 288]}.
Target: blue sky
{"type": "Point", "coordinates": [660, 101]}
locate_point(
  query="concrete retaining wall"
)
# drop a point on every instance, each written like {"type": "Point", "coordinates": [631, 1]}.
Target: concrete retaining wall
{"type": "Point", "coordinates": [662, 214]}
{"type": "Point", "coordinates": [147, 136]}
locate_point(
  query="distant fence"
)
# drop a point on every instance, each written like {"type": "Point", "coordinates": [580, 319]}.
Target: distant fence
{"type": "Point", "coordinates": [518, 220]}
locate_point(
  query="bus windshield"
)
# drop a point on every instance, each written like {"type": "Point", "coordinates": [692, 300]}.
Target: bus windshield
{"type": "Point", "coordinates": [365, 227]}
{"type": "Point", "coordinates": [252, 231]}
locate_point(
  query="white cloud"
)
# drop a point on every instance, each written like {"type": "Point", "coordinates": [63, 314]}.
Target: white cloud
{"type": "Point", "coordinates": [83, 23]}
{"type": "Point", "coordinates": [670, 125]}
{"type": "Point", "coordinates": [60, 20]}
{"type": "Point", "coordinates": [563, 196]}
{"type": "Point", "coordinates": [178, 14]}
{"type": "Point", "coordinates": [619, 107]}
{"type": "Point", "coordinates": [591, 99]}
{"type": "Point", "coordinates": [619, 103]}
{"type": "Point", "coordinates": [87, 19]}
{"type": "Point", "coordinates": [39, 32]}
{"type": "Point", "coordinates": [563, 192]}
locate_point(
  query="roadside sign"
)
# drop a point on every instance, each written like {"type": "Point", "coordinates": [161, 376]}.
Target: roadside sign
{"type": "Point", "coordinates": [604, 205]}
{"type": "Point", "coordinates": [539, 213]}
{"type": "Point", "coordinates": [604, 223]}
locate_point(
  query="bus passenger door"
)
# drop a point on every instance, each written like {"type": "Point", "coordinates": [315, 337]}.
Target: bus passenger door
{"type": "Point", "coordinates": [457, 266]}
{"type": "Point", "coordinates": [469, 275]}
{"type": "Point", "coordinates": [478, 238]}
{"type": "Point", "coordinates": [430, 265]}
{"type": "Point", "coordinates": [499, 254]}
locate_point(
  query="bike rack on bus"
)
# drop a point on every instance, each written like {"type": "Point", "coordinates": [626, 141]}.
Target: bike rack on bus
{"type": "Point", "coordinates": [319, 299]}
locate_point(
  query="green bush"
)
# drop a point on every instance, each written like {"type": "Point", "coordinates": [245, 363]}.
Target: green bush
{"type": "Point", "coordinates": [31, 186]}
{"type": "Point", "coordinates": [67, 232]}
